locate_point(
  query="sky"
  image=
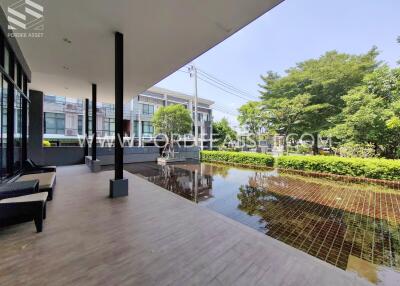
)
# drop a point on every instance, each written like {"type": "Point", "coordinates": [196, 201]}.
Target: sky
{"type": "Point", "coordinates": [294, 31]}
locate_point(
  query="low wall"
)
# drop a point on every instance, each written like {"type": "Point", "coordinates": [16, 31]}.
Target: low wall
{"type": "Point", "coordinates": [189, 152]}
{"type": "Point", "coordinates": [72, 155]}
{"type": "Point", "coordinates": [60, 156]}
{"type": "Point", "coordinates": [131, 155]}
{"type": "Point", "coordinates": [142, 154]}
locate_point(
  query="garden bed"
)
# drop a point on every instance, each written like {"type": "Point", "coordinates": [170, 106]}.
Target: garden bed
{"type": "Point", "coordinates": [380, 169]}
{"type": "Point", "coordinates": [376, 171]}
{"type": "Point", "coordinates": [238, 158]}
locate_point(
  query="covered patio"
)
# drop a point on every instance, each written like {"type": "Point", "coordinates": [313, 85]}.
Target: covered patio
{"type": "Point", "coordinates": [106, 51]}
{"type": "Point", "coordinates": [151, 237]}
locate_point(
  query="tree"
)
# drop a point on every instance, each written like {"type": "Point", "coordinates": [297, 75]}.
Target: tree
{"type": "Point", "coordinates": [371, 114]}
{"type": "Point", "coordinates": [285, 114]}
{"type": "Point", "coordinates": [222, 131]}
{"type": "Point", "coordinates": [398, 40]}
{"type": "Point", "coordinates": [326, 80]}
{"type": "Point", "coordinates": [172, 120]}
{"type": "Point", "coordinates": [252, 117]}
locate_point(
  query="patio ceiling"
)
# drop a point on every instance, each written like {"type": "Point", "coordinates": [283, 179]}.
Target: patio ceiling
{"type": "Point", "coordinates": [160, 36]}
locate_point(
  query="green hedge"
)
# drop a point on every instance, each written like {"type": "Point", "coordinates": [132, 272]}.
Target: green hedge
{"type": "Point", "coordinates": [240, 158]}
{"type": "Point", "coordinates": [357, 167]}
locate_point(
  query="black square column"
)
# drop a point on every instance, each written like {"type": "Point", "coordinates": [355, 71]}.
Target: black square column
{"type": "Point", "coordinates": [35, 126]}
{"type": "Point", "coordinates": [86, 146]}
{"type": "Point", "coordinates": [94, 122]}
{"type": "Point", "coordinates": [119, 186]}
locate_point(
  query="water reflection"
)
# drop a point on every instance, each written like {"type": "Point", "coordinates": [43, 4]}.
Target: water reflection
{"type": "Point", "coordinates": [191, 183]}
{"type": "Point", "coordinates": [347, 225]}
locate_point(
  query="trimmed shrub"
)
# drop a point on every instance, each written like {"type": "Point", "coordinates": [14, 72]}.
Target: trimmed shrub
{"type": "Point", "coordinates": [373, 168]}
{"type": "Point", "coordinates": [240, 158]}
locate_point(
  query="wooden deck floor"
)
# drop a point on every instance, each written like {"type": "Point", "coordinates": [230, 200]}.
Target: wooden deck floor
{"type": "Point", "coordinates": [152, 237]}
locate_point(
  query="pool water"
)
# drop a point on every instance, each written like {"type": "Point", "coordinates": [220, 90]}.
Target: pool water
{"type": "Point", "coordinates": [352, 226]}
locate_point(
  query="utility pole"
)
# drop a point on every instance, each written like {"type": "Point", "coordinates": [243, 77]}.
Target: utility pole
{"type": "Point", "coordinates": [193, 73]}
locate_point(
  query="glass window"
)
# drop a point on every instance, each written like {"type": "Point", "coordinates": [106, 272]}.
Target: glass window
{"type": "Point", "coordinates": [3, 119]}
{"type": "Point", "coordinates": [136, 128]}
{"type": "Point", "coordinates": [49, 98]}
{"type": "Point", "coordinates": [15, 73]}
{"type": "Point", "coordinates": [148, 129]}
{"type": "Point", "coordinates": [10, 166]}
{"type": "Point", "coordinates": [109, 126]}
{"type": "Point", "coordinates": [54, 99]}
{"type": "Point", "coordinates": [54, 123]}
{"type": "Point", "coordinates": [147, 109]}
{"type": "Point", "coordinates": [6, 59]}
{"type": "Point", "coordinates": [80, 124]}
{"type": "Point", "coordinates": [17, 131]}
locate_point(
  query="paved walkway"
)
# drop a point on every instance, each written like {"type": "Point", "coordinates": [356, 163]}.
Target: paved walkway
{"type": "Point", "coordinates": [152, 237]}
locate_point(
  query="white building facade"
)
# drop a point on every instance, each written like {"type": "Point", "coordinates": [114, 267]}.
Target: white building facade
{"type": "Point", "coordinates": [64, 117]}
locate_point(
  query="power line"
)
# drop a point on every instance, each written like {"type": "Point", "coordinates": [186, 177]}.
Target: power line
{"type": "Point", "coordinates": [184, 71]}
{"type": "Point", "coordinates": [218, 85]}
{"type": "Point", "coordinates": [227, 85]}
{"type": "Point", "coordinates": [224, 110]}
{"type": "Point", "coordinates": [221, 88]}
{"type": "Point", "coordinates": [222, 85]}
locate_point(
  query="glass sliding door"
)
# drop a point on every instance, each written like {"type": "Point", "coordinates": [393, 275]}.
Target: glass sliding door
{"type": "Point", "coordinates": [17, 132]}
{"type": "Point", "coordinates": [13, 92]}
{"type": "Point", "coordinates": [3, 119]}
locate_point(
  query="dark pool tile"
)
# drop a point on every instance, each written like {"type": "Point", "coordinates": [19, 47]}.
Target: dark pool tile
{"type": "Point", "coordinates": [326, 220]}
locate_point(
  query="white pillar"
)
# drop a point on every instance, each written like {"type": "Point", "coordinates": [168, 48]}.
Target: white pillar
{"type": "Point", "coordinates": [132, 127]}
{"type": "Point", "coordinates": [201, 137]}
{"type": "Point", "coordinates": [196, 186]}
{"type": "Point", "coordinates": [165, 100]}
{"type": "Point", "coordinates": [140, 130]}
{"type": "Point", "coordinates": [211, 135]}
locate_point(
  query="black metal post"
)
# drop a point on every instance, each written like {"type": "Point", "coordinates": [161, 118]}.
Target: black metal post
{"type": "Point", "coordinates": [94, 126]}
{"type": "Point", "coordinates": [86, 146]}
{"type": "Point", "coordinates": [119, 101]}
{"type": "Point", "coordinates": [24, 119]}
{"type": "Point", "coordinates": [119, 186]}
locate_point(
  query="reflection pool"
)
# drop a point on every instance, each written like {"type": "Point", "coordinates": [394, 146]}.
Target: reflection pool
{"type": "Point", "coordinates": [352, 226]}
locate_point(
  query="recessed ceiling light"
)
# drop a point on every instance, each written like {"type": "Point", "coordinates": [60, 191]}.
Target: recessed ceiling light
{"type": "Point", "coordinates": [67, 40]}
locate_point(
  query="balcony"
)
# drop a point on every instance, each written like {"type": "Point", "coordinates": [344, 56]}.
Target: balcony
{"type": "Point", "coordinates": [73, 108]}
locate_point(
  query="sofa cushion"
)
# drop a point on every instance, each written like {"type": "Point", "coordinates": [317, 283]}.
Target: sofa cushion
{"type": "Point", "coordinates": [16, 189]}
{"type": "Point", "coordinates": [46, 180]}
{"type": "Point", "coordinates": [28, 198]}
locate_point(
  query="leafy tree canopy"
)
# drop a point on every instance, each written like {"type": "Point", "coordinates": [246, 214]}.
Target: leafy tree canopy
{"type": "Point", "coordinates": [173, 119]}
{"type": "Point", "coordinates": [223, 132]}
{"type": "Point", "coordinates": [252, 117]}
{"type": "Point", "coordinates": [371, 113]}
{"type": "Point", "coordinates": [326, 80]}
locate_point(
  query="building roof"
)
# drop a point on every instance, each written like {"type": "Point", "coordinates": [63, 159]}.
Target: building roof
{"type": "Point", "coordinates": [177, 94]}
